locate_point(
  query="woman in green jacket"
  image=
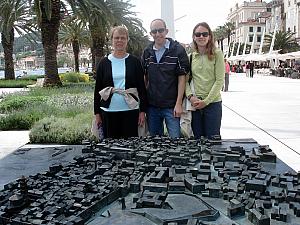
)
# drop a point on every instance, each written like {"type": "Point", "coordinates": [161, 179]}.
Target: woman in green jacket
{"type": "Point", "coordinates": [207, 72]}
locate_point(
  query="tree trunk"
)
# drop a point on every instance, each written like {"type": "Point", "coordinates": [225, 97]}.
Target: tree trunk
{"type": "Point", "coordinates": [222, 47]}
{"type": "Point", "coordinates": [49, 31]}
{"type": "Point", "coordinates": [8, 47]}
{"type": "Point", "coordinates": [75, 46]}
{"type": "Point", "coordinates": [98, 42]}
{"type": "Point", "coordinates": [228, 40]}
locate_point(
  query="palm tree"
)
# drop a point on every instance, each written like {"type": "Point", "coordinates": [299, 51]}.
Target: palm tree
{"type": "Point", "coordinates": [124, 16]}
{"type": "Point", "coordinates": [114, 12]}
{"type": "Point", "coordinates": [137, 42]}
{"type": "Point", "coordinates": [220, 34]}
{"type": "Point", "coordinates": [73, 31]}
{"type": "Point", "coordinates": [14, 17]}
{"type": "Point", "coordinates": [48, 14]}
{"type": "Point", "coordinates": [283, 40]}
{"type": "Point", "coordinates": [229, 27]}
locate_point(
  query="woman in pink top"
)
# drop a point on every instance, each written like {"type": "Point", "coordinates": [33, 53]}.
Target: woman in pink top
{"type": "Point", "coordinates": [227, 72]}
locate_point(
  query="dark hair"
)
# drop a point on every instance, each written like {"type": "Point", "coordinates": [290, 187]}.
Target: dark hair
{"type": "Point", "coordinates": [164, 23]}
{"type": "Point", "coordinates": [210, 47]}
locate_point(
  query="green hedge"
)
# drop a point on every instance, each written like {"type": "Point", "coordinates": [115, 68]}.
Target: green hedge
{"type": "Point", "coordinates": [19, 120]}
{"type": "Point", "coordinates": [58, 114]}
{"type": "Point", "coordinates": [16, 103]}
{"type": "Point", "coordinates": [73, 77]}
{"type": "Point", "coordinates": [20, 83]}
{"type": "Point", "coordinates": [62, 130]}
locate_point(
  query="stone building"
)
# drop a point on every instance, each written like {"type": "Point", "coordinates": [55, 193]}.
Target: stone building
{"type": "Point", "coordinates": [249, 22]}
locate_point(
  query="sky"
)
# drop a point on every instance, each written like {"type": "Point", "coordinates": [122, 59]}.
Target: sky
{"type": "Point", "coordinates": [214, 12]}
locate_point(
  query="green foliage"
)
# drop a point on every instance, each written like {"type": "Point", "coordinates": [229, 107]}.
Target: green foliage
{"type": "Point", "coordinates": [64, 59]}
{"type": "Point", "coordinates": [74, 77]}
{"type": "Point", "coordinates": [85, 89]}
{"type": "Point", "coordinates": [20, 83]}
{"type": "Point", "coordinates": [31, 77]}
{"type": "Point", "coordinates": [16, 103]}
{"type": "Point", "coordinates": [19, 120]}
{"type": "Point", "coordinates": [62, 130]}
{"type": "Point", "coordinates": [284, 41]}
{"type": "Point", "coordinates": [57, 115]}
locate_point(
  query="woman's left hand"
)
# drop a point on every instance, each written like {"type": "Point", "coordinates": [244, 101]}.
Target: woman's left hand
{"type": "Point", "coordinates": [141, 118]}
{"type": "Point", "coordinates": [200, 104]}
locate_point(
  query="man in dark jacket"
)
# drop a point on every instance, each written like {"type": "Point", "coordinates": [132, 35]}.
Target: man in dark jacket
{"type": "Point", "coordinates": [166, 64]}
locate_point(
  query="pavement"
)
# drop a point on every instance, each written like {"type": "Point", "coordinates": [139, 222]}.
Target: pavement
{"type": "Point", "coordinates": [265, 108]}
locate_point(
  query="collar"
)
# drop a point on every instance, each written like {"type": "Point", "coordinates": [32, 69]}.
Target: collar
{"type": "Point", "coordinates": [166, 45]}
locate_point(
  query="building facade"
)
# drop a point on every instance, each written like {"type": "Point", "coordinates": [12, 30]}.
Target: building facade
{"type": "Point", "coordinates": [252, 19]}
{"type": "Point", "coordinates": [249, 19]}
{"type": "Point", "coordinates": [292, 17]}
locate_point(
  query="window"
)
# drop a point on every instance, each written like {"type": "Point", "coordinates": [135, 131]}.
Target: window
{"type": "Point", "coordinates": [258, 39]}
{"type": "Point", "coordinates": [250, 29]}
{"type": "Point", "coordinates": [269, 9]}
{"type": "Point", "coordinates": [289, 29]}
{"type": "Point", "coordinates": [250, 38]}
{"type": "Point", "coordinates": [289, 3]}
{"type": "Point", "coordinates": [258, 29]}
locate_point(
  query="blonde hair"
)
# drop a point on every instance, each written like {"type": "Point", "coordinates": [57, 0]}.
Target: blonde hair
{"type": "Point", "coordinates": [119, 29]}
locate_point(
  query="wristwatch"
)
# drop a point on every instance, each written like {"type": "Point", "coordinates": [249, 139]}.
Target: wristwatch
{"type": "Point", "coordinates": [189, 97]}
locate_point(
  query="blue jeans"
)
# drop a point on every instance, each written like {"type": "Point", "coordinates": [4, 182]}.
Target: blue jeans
{"type": "Point", "coordinates": [156, 116]}
{"type": "Point", "coordinates": [207, 121]}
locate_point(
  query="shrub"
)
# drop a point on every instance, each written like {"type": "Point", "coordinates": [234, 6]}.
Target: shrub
{"type": "Point", "coordinates": [26, 117]}
{"type": "Point", "coordinates": [18, 121]}
{"type": "Point", "coordinates": [84, 77]}
{"type": "Point", "coordinates": [31, 77]}
{"type": "Point", "coordinates": [15, 102]}
{"type": "Point", "coordinates": [15, 83]}
{"type": "Point", "coordinates": [74, 77]}
{"type": "Point", "coordinates": [62, 130]}
{"type": "Point", "coordinates": [66, 103]}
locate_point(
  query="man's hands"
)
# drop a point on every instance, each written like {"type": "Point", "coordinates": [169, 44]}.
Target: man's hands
{"type": "Point", "coordinates": [178, 110]}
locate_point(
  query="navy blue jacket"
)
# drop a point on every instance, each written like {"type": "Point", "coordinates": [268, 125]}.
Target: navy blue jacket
{"type": "Point", "coordinates": [162, 76]}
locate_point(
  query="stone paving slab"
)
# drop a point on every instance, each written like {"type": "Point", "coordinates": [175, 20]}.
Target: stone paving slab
{"type": "Point", "coordinates": [265, 108]}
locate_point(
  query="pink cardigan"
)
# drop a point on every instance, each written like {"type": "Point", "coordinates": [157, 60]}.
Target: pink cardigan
{"type": "Point", "coordinates": [227, 68]}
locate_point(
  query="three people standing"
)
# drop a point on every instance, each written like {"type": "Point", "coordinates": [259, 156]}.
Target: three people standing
{"type": "Point", "coordinates": [160, 92]}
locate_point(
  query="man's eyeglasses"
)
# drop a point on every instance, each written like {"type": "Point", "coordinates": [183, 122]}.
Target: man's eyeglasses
{"type": "Point", "coordinates": [160, 30]}
{"type": "Point", "coordinates": [204, 34]}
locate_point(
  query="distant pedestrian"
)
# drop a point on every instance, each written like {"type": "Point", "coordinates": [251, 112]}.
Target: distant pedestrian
{"type": "Point", "coordinates": [247, 69]}
{"type": "Point", "coordinates": [251, 69]}
{"type": "Point", "coordinates": [227, 72]}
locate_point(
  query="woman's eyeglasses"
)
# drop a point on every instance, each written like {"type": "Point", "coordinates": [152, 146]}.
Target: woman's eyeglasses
{"type": "Point", "coordinates": [160, 30]}
{"type": "Point", "coordinates": [204, 34]}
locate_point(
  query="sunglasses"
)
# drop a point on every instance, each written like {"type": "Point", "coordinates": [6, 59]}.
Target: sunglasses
{"type": "Point", "coordinates": [160, 30]}
{"type": "Point", "coordinates": [204, 34]}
